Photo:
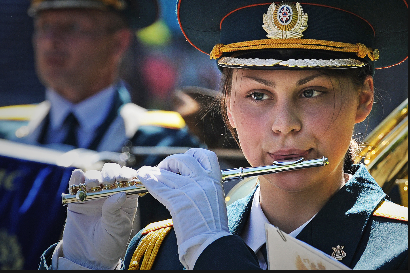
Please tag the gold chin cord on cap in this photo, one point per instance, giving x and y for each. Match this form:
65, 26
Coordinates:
78, 193
295, 43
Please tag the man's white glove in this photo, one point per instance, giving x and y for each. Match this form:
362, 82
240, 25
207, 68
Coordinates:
97, 232
189, 185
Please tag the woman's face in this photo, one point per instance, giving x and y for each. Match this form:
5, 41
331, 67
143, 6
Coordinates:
282, 115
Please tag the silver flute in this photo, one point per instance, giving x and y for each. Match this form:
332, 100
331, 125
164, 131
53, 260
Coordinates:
79, 194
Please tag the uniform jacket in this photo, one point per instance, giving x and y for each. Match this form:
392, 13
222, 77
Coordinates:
347, 219
370, 242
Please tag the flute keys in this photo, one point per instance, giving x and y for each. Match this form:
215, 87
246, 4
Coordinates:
121, 184
81, 195
73, 189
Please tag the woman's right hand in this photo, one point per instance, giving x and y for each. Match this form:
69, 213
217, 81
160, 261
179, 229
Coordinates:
189, 185
97, 232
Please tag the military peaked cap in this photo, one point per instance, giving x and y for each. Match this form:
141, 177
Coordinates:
137, 13
311, 34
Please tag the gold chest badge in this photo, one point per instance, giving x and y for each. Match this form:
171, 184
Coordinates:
285, 21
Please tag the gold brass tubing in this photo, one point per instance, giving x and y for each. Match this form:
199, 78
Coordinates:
136, 187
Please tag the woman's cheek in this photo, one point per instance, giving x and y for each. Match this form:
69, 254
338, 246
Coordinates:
251, 134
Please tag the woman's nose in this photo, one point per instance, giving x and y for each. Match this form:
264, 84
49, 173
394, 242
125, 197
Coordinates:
286, 119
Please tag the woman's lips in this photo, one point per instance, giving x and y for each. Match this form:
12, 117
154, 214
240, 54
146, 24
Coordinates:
289, 155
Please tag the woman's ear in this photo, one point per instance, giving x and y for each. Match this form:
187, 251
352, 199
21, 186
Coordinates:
366, 99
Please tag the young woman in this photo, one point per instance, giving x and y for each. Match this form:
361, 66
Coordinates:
297, 78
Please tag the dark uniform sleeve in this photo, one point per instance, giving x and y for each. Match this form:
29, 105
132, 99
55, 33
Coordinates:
227, 253
45, 259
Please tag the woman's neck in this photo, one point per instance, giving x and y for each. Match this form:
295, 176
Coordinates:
289, 210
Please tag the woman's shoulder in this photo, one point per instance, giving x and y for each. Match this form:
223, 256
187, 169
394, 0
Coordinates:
386, 238
154, 247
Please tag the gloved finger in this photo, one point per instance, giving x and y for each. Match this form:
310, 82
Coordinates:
127, 173
107, 235
208, 160
153, 177
119, 201
189, 166
177, 171
77, 177
92, 179
177, 163
117, 217
186, 167
113, 203
203, 156
109, 173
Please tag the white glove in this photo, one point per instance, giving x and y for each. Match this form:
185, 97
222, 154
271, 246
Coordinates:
97, 232
189, 185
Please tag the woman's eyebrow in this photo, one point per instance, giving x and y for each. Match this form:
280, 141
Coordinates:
262, 81
272, 83
308, 79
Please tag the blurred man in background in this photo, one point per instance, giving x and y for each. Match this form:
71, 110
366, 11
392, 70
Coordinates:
79, 46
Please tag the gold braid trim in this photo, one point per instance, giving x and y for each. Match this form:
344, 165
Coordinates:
360, 49
149, 245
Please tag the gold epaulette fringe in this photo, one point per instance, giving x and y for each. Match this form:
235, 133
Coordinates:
148, 247
167, 119
17, 112
391, 210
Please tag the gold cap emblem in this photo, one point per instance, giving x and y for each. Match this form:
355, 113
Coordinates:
285, 21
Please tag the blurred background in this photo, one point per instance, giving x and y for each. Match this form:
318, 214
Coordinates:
164, 63
164, 72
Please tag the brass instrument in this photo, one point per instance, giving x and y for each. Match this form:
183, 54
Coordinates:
385, 152
78, 193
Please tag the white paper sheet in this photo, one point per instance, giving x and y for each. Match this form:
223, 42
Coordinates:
287, 253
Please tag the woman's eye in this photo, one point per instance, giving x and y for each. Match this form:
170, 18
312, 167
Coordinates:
258, 96
310, 93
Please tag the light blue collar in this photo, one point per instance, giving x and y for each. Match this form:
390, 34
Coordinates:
96, 107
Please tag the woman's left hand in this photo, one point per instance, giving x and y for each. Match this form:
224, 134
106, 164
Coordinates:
189, 185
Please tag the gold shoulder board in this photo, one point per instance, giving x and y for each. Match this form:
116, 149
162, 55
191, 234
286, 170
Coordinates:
391, 210
167, 119
147, 248
17, 112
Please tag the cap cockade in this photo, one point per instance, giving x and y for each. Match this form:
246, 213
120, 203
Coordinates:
286, 20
